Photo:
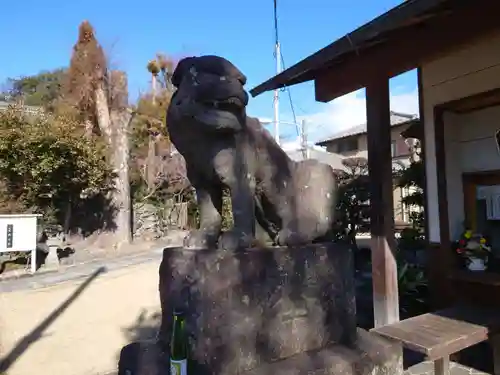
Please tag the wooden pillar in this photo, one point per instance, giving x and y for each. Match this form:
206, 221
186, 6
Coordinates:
384, 269
441, 260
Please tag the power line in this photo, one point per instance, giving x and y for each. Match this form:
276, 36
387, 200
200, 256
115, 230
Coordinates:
287, 89
280, 63
298, 127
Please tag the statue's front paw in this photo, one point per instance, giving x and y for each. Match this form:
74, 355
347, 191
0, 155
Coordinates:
198, 239
287, 237
234, 240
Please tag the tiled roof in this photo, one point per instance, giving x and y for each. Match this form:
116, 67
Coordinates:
397, 118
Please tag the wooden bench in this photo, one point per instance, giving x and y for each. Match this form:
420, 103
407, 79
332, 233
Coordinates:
439, 334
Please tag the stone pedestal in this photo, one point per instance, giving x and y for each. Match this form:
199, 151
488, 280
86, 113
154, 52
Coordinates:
372, 355
247, 309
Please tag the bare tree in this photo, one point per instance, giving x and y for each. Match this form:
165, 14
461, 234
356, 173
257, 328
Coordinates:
154, 69
102, 99
120, 118
169, 175
167, 66
161, 89
152, 167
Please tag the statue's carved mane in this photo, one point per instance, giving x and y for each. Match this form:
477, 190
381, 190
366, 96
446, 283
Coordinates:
293, 202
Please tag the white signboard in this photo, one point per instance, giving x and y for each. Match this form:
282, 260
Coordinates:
19, 233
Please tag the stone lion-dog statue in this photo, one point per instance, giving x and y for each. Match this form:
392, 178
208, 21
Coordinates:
294, 202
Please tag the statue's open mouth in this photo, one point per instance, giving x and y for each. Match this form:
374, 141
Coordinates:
232, 104
222, 114
212, 96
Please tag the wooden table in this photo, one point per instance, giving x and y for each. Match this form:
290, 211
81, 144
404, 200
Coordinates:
439, 334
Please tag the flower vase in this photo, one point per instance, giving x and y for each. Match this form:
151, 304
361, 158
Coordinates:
476, 264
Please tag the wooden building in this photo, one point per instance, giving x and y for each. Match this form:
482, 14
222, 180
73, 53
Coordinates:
455, 45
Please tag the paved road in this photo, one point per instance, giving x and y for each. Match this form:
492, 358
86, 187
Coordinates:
50, 278
76, 322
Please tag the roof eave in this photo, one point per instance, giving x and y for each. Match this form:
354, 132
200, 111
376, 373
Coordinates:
304, 70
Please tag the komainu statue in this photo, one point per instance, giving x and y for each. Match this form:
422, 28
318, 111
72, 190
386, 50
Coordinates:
294, 202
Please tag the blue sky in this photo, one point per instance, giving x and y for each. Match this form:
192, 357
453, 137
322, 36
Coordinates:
39, 35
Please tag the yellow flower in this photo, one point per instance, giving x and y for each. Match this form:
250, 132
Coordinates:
482, 241
468, 234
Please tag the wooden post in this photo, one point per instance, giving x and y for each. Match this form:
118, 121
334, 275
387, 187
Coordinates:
442, 366
495, 347
384, 269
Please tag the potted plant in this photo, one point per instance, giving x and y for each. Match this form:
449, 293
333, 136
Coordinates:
474, 249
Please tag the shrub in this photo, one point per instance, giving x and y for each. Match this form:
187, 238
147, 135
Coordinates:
46, 162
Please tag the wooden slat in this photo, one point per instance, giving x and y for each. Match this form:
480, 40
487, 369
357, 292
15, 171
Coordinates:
442, 333
442, 260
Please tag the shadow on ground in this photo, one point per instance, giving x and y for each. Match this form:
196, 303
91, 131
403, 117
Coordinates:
145, 327
37, 333
141, 355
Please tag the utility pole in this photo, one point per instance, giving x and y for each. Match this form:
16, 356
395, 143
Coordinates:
303, 140
277, 55
276, 103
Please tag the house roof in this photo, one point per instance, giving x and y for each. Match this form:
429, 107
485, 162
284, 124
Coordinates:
363, 37
397, 118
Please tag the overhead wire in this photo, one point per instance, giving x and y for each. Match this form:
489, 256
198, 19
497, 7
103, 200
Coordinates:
289, 92
286, 88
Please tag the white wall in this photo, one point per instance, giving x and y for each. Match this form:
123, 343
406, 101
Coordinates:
470, 70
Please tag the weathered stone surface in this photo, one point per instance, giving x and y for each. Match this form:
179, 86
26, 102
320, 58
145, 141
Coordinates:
142, 358
294, 202
372, 355
260, 305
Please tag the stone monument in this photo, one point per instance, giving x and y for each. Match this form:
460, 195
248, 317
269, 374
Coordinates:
285, 309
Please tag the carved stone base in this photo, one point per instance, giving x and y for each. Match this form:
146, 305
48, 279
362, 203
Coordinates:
372, 355
258, 306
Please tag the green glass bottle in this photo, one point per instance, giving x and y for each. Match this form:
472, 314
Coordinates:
179, 346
